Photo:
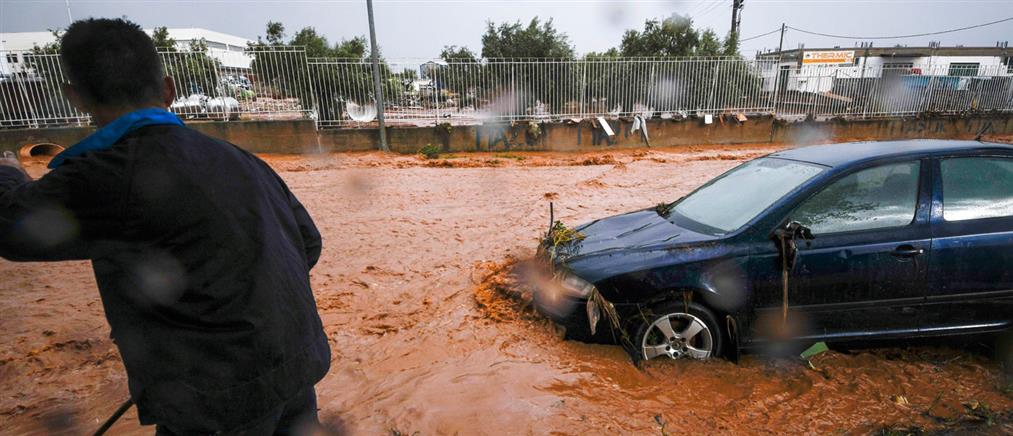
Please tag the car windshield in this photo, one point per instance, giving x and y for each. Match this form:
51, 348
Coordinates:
728, 202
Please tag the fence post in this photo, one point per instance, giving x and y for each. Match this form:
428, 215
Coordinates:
377, 94
714, 84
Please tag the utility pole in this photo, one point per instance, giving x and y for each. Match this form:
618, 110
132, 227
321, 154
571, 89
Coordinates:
736, 17
777, 75
70, 18
377, 90
780, 45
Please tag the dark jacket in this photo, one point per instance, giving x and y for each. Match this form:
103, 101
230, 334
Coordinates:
202, 258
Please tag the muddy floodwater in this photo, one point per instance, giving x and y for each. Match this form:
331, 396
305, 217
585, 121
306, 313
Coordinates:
411, 290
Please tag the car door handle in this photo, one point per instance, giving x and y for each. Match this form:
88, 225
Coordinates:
907, 251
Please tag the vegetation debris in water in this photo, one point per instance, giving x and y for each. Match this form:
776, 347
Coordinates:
663, 209
560, 235
430, 151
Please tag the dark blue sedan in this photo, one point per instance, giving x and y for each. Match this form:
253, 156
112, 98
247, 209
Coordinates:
894, 239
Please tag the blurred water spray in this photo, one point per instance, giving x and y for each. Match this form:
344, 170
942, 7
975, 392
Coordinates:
49, 227
160, 278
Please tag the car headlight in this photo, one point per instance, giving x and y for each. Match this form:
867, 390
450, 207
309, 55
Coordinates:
576, 286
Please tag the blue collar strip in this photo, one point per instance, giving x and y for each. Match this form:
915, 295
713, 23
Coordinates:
107, 136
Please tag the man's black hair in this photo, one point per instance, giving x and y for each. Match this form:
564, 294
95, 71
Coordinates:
112, 62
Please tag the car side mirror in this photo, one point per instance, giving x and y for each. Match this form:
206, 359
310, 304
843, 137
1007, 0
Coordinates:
786, 238
793, 230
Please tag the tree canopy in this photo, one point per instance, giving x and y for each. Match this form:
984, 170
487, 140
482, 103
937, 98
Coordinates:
317, 45
455, 53
674, 37
536, 40
160, 36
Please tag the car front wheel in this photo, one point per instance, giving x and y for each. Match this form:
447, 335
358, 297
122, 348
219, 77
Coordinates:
669, 330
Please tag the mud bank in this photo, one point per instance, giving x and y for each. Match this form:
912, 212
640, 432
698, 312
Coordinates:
411, 289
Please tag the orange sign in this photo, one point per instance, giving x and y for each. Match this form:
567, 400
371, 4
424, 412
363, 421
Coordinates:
836, 57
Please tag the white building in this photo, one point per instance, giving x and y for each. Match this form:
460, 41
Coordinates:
229, 49
815, 70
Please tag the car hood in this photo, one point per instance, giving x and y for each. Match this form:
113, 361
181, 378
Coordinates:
643, 229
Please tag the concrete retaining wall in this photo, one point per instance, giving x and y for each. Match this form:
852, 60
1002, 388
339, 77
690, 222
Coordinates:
282, 136
300, 136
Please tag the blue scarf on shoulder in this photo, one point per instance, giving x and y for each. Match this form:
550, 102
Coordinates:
107, 136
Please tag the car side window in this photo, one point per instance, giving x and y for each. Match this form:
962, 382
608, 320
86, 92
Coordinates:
977, 187
873, 198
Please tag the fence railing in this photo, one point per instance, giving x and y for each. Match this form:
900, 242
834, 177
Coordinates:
850, 92
283, 83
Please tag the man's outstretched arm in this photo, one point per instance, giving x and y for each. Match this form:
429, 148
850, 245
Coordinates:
55, 217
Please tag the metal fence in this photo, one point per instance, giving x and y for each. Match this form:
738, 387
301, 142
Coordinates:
852, 92
269, 83
283, 83
471, 92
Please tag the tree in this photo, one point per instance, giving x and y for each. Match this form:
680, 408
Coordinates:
536, 40
731, 44
160, 36
341, 75
455, 53
607, 54
316, 45
671, 37
193, 70
354, 48
275, 33
546, 79
50, 47
714, 83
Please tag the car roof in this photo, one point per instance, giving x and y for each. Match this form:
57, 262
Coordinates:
847, 153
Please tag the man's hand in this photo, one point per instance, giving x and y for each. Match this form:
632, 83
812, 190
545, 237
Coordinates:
9, 159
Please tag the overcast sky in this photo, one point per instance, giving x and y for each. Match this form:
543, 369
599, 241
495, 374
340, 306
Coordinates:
419, 29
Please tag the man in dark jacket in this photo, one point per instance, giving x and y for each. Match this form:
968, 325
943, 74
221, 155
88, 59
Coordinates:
201, 253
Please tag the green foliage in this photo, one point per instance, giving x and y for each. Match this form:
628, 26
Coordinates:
193, 69
275, 33
430, 151
285, 72
458, 54
316, 45
354, 48
536, 40
50, 47
675, 37
559, 234
663, 209
445, 129
611, 53
534, 129
162, 40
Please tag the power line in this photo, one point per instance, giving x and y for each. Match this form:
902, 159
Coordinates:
712, 8
760, 35
903, 36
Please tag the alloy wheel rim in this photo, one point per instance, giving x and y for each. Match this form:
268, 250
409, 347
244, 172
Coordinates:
677, 335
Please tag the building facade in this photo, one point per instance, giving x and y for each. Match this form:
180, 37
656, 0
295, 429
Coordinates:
816, 70
228, 49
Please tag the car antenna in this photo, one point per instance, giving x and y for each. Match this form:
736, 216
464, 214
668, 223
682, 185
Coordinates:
982, 131
552, 219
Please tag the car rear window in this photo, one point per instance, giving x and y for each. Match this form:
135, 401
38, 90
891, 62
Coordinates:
977, 187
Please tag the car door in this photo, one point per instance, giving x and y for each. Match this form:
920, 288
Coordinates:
971, 266
865, 272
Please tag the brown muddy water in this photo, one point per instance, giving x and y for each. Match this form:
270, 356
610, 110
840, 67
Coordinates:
414, 291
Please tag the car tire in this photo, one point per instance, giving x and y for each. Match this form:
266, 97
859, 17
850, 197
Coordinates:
649, 331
